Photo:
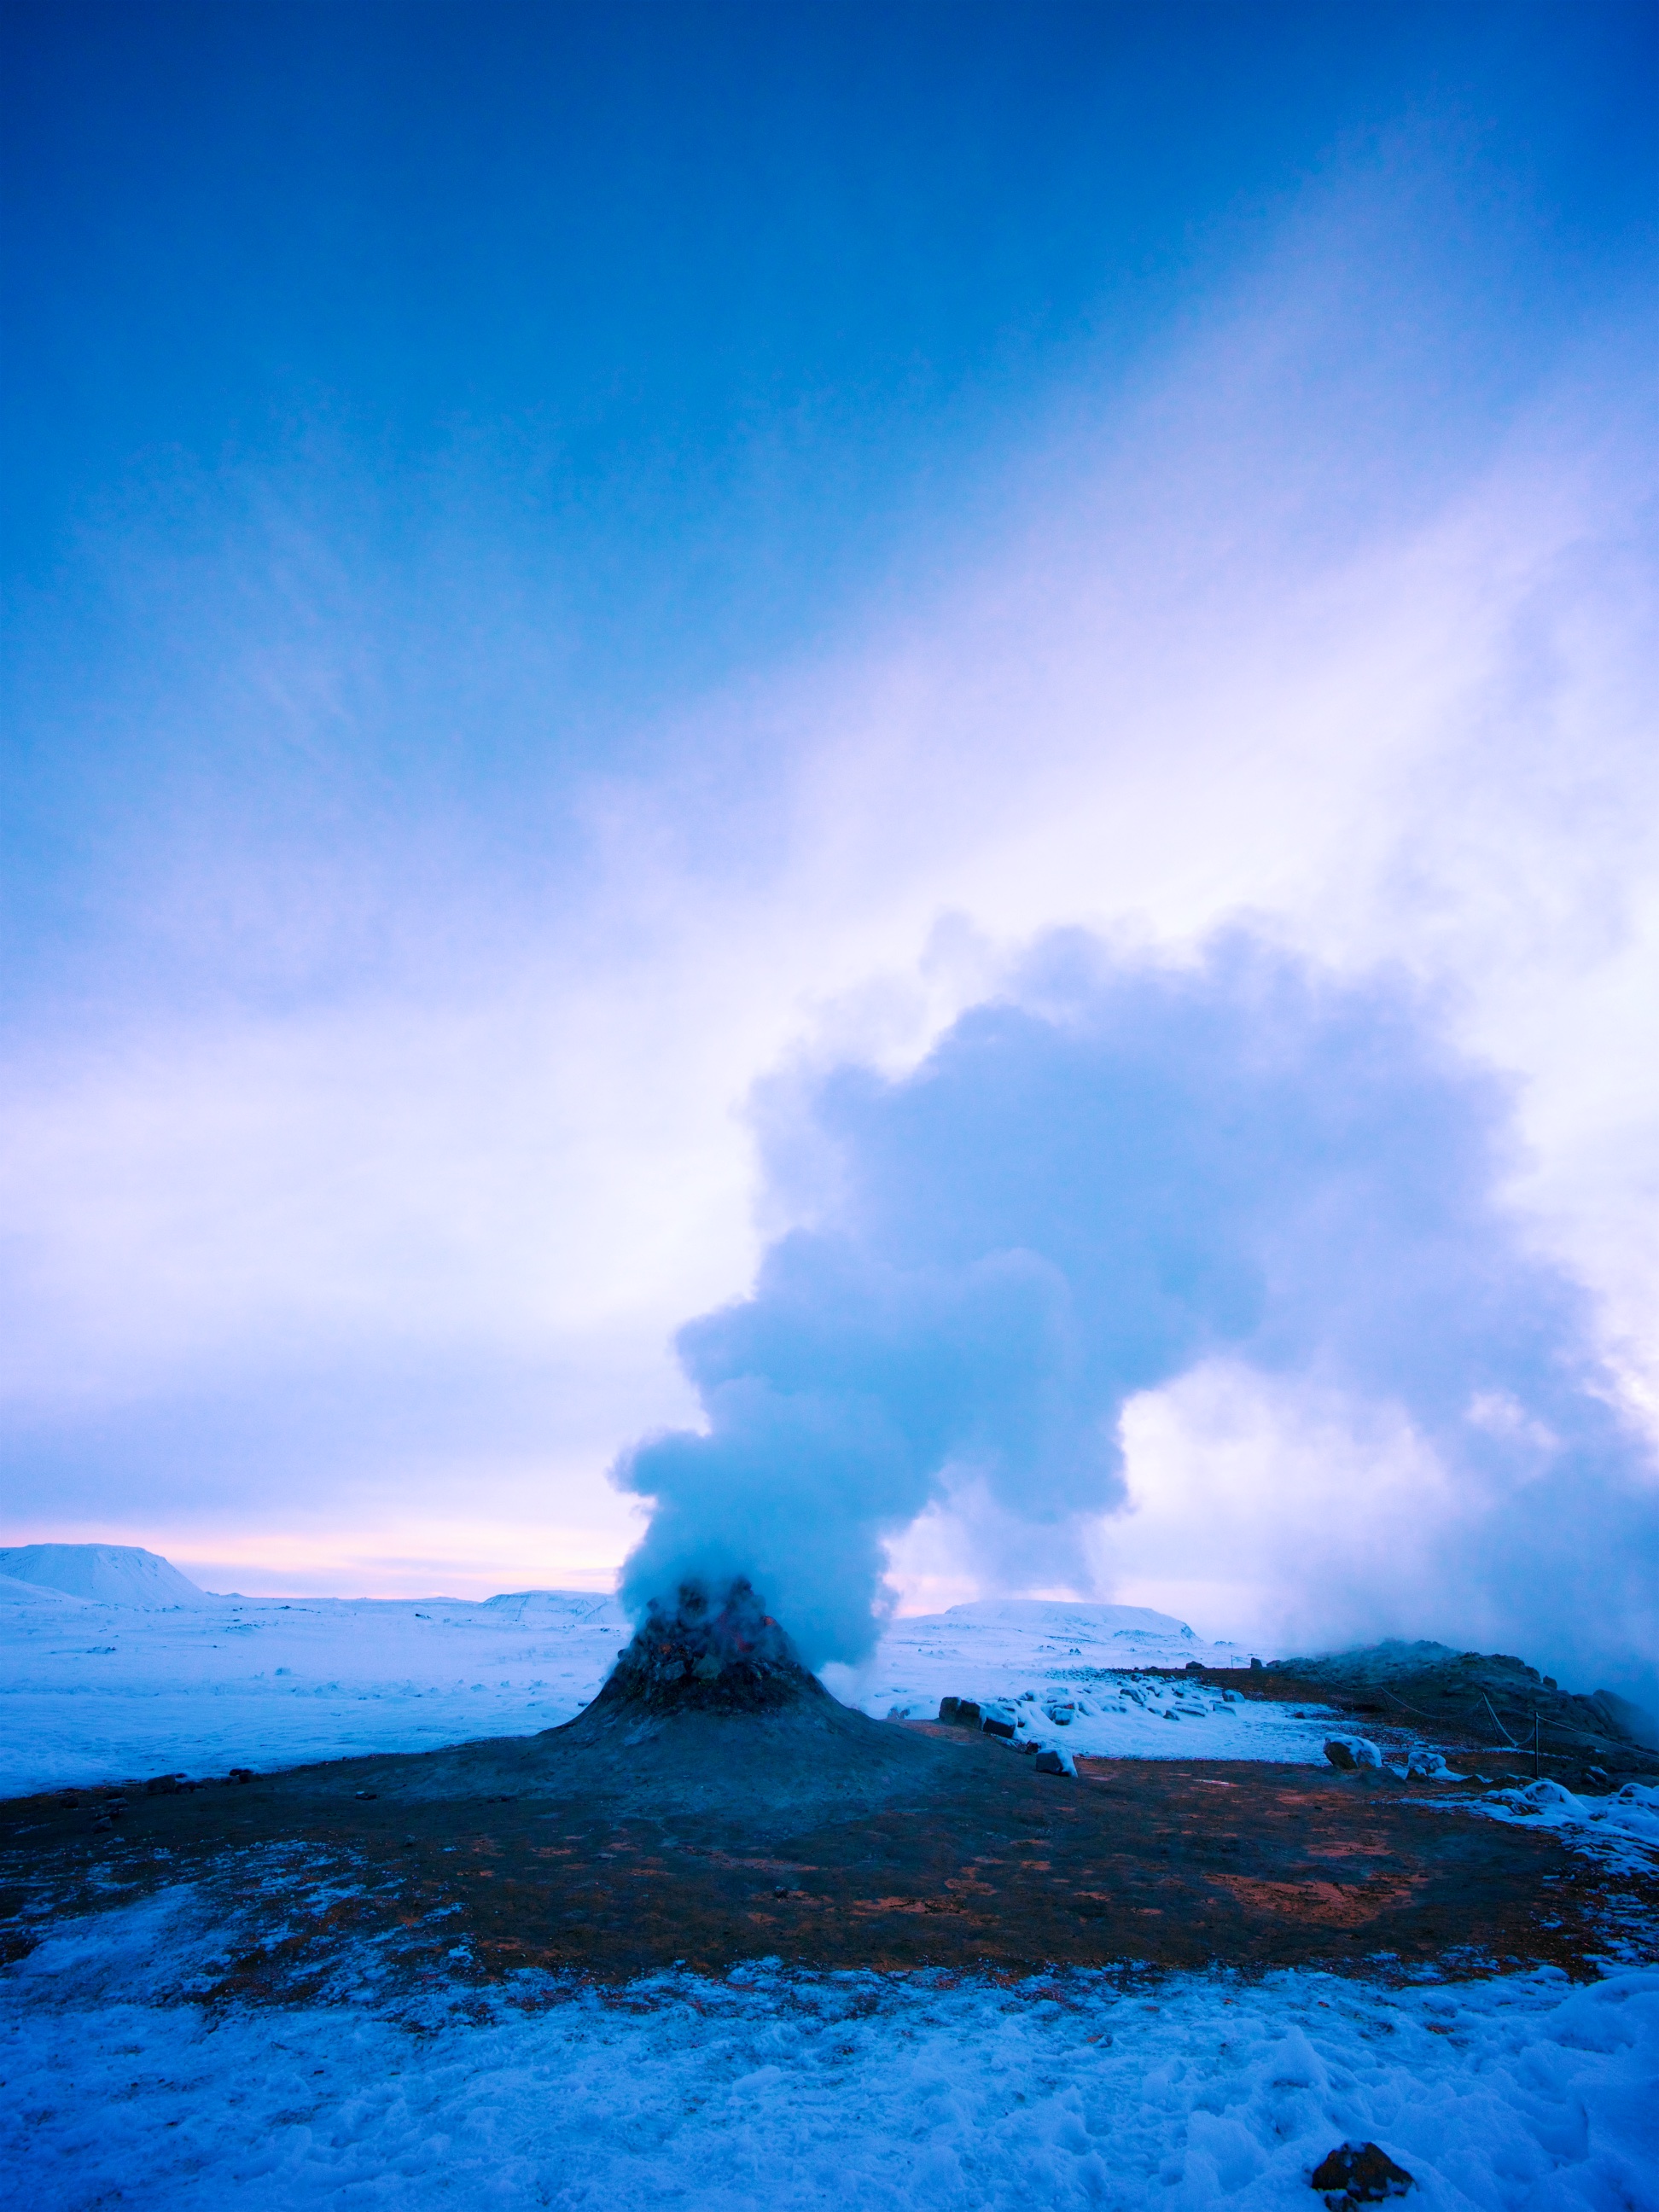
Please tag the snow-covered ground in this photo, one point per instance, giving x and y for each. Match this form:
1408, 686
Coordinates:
1620, 1831
94, 1692
784, 2090
1078, 1674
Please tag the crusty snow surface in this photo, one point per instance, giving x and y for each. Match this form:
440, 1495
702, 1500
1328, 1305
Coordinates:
770, 2089
767, 2088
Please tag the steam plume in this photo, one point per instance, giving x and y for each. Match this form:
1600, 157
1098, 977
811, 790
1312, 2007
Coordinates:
1114, 1173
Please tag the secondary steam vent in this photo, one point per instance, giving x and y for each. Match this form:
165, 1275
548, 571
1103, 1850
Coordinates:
712, 1653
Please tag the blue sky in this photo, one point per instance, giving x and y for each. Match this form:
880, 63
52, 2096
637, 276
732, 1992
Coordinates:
572, 571
689, 322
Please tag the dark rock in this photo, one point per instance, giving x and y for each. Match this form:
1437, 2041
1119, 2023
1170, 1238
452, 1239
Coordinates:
1004, 1729
1051, 1762
967, 1713
1349, 1752
711, 1652
947, 1709
1359, 2173
162, 1785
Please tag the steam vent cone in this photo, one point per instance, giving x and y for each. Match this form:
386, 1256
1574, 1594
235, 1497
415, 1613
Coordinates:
705, 1655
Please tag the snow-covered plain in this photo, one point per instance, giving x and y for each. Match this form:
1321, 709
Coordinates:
120, 2086
94, 1692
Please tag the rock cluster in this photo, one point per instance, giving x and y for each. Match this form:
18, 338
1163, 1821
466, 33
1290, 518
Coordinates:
999, 1720
710, 1652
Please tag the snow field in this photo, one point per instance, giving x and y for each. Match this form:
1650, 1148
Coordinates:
1130, 1716
772, 2090
1079, 1677
93, 1692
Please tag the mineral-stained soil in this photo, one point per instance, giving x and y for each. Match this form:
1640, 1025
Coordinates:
620, 1845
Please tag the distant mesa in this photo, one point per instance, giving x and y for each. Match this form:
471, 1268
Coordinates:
1062, 1614
106, 1574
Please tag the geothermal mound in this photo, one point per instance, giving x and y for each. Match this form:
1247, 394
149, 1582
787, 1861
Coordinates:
710, 1712
702, 1657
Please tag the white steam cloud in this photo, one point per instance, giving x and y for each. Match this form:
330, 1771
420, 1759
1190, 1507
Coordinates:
1113, 1178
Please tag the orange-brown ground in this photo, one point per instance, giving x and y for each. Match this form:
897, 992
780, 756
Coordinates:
847, 1844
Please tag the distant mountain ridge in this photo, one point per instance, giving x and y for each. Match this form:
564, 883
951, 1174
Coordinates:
128, 1574
107, 1574
1070, 1614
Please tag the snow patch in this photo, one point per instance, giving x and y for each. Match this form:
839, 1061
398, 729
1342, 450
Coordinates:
1621, 1829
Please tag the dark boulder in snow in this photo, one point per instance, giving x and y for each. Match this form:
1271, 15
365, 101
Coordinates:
1359, 2173
1349, 1752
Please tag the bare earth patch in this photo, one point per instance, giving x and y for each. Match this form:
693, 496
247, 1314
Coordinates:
815, 1835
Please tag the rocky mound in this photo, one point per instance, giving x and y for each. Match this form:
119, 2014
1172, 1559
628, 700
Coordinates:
709, 1708
709, 1655
1488, 1699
